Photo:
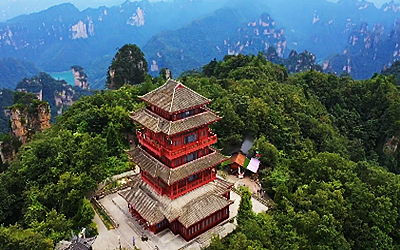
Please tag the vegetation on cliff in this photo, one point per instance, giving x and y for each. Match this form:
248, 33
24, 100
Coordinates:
44, 188
6, 100
57, 93
394, 70
127, 67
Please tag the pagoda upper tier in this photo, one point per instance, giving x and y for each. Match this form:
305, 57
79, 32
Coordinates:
173, 97
159, 124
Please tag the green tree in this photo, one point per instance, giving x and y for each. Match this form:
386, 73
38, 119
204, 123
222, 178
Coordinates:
128, 67
17, 238
216, 243
245, 212
269, 153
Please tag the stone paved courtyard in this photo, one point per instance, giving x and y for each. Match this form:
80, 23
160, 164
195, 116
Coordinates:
165, 240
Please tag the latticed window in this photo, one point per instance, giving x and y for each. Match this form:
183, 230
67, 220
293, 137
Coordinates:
177, 142
190, 138
193, 177
191, 157
178, 162
186, 114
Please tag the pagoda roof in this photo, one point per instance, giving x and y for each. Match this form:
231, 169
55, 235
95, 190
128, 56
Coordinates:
239, 159
188, 209
173, 97
158, 124
171, 175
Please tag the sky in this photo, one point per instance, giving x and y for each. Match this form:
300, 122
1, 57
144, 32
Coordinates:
12, 8
378, 3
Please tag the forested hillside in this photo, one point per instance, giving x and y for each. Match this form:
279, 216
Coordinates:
328, 145
6, 100
13, 70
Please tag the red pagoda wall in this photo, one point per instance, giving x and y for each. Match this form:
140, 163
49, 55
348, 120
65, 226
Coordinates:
181, 187
187, 233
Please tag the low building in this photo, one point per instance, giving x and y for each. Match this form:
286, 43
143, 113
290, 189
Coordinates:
77, 243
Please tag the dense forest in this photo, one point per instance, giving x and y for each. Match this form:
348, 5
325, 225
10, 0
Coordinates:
328, 145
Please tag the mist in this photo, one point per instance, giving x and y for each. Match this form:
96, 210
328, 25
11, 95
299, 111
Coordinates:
12, 8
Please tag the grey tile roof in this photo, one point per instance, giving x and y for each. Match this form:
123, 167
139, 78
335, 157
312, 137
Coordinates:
76, 244
158, 124
171, 175
188, 209
202, 208
174, 96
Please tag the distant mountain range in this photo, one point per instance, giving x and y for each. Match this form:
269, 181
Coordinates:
352, 35
62, 36
14, 70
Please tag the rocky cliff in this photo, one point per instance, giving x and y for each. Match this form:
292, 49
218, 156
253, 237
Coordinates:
81, 79
57, 93
28, 120
295, 62
225, 32
369, 50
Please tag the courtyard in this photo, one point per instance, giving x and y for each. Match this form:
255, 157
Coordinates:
129, 228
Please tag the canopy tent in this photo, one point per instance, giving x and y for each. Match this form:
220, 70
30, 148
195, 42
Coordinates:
253, 165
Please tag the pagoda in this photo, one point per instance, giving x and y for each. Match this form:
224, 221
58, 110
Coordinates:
178, 187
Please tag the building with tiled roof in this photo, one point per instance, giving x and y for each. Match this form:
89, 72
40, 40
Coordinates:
76, 243
178, 187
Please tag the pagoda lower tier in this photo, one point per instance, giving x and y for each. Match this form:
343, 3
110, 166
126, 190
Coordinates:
174, 182
188, 215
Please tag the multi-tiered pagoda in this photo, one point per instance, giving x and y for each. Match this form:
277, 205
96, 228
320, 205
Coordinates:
178, 188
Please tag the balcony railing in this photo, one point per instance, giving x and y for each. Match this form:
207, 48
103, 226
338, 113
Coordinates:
192, 185
175, 152
180, 151
152, 145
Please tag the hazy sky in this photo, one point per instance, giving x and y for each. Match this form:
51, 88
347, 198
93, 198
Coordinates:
378, 3
82, 4
11, 8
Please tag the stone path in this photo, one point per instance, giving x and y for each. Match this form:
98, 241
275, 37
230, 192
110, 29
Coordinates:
107, 239
125, 230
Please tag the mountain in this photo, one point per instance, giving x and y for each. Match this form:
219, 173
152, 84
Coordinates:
57, 93
394, 70
62, 35
295, 62
321, 27
185, 34
226, 31
13, 70
368, 50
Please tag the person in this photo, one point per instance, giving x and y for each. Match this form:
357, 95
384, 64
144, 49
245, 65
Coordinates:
133, 240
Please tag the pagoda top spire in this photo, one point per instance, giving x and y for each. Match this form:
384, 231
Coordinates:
174, 97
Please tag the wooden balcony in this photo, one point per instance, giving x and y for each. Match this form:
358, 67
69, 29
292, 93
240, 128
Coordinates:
191, 186
150, 144
176, 152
